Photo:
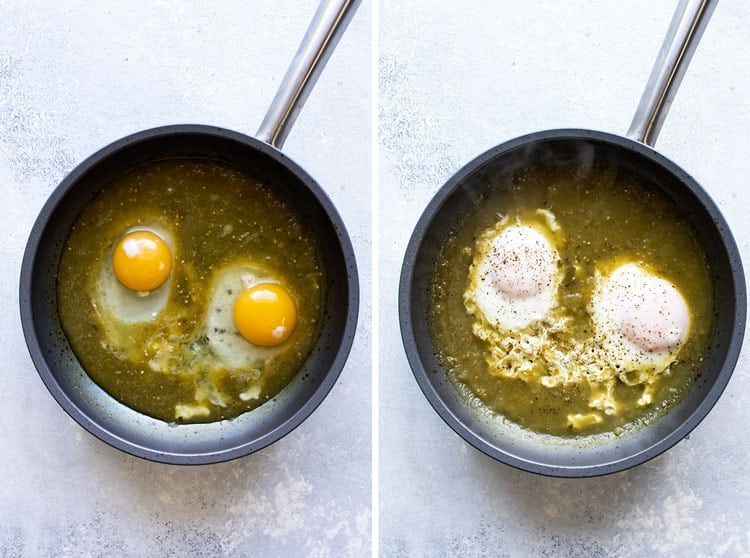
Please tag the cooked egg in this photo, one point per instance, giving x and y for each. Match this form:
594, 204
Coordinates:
641, 320
250, 315
135, 278
515, 274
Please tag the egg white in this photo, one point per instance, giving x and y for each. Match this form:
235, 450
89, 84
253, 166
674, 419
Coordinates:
515, 274
638, 354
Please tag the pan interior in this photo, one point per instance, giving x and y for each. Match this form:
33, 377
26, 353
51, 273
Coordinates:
501, 438
120, 425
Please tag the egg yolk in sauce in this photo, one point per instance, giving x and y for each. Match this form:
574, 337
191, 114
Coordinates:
142, 261
265, 314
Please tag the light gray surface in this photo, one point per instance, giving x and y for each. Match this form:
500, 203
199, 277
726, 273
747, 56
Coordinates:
75, 76
456, 79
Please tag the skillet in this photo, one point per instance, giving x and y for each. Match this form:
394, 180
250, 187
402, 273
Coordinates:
58, 367
635, 155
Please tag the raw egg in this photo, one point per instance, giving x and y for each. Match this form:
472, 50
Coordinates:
127, 289
250, 315
142, 260
265, 314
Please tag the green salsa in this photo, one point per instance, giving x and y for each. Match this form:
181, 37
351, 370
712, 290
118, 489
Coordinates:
610, 214
217, 217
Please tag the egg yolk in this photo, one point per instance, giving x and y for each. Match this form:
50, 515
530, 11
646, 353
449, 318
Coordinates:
265, 314
142, 261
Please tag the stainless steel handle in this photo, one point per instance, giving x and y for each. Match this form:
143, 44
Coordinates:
685, 31
324, 32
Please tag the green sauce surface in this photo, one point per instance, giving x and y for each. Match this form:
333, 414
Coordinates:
217, 216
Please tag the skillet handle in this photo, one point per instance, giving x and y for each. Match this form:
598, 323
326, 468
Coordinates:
325, 30
685, 31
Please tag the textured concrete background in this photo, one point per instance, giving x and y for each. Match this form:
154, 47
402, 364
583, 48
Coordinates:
457, 78
454, 81
75, 76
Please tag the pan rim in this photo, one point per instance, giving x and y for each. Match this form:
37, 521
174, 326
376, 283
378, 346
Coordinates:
42, 365
420, 369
